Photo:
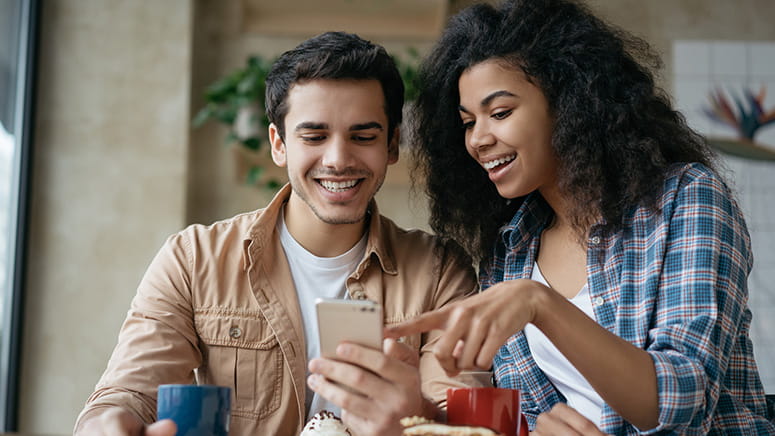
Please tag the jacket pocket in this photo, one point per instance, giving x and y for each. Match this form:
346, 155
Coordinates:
241, 352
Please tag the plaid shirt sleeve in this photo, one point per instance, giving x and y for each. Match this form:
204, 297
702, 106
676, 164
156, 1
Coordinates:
701, 302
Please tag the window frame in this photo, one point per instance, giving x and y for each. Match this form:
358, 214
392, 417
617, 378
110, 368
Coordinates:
11, 320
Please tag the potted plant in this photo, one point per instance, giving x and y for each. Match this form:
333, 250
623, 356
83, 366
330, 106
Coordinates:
237, 100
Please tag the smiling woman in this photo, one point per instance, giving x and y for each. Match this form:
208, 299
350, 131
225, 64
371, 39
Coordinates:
17, 37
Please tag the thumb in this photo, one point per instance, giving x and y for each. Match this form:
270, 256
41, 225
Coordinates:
401, 352
165, 427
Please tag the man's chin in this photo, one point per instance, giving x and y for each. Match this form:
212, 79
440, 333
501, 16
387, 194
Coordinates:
334, 219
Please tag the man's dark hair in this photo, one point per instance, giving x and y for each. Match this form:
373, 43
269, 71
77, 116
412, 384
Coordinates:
333, 55
615, 133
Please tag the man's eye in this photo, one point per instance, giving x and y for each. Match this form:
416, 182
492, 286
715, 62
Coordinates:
364, 138
501, 115
313, 138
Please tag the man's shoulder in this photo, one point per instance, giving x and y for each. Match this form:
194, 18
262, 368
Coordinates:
414, 243
407, 237
239, 226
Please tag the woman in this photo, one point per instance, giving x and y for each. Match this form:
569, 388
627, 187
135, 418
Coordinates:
614, 257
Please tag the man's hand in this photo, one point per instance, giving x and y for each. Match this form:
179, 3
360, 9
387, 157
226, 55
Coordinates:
564, 420
119, 422
374, 389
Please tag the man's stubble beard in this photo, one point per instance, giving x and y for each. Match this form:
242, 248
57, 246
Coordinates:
302, 195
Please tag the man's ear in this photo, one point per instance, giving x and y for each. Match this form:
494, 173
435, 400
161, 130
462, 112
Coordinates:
393, 146
278, 146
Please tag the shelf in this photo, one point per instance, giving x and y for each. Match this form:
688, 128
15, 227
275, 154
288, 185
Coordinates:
743, 149
410, 19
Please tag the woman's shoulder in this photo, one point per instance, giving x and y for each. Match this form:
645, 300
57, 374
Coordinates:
683, 178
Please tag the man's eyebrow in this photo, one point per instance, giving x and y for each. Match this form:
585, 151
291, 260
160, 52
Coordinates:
366, 126
487, 100
311, 125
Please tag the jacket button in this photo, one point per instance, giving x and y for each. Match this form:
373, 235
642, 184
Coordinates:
235, 332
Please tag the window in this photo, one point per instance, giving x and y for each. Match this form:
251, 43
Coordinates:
18, 20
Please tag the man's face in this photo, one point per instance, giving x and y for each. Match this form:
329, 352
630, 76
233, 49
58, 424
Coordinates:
336, 147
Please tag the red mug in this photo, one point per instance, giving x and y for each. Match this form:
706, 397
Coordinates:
494, 408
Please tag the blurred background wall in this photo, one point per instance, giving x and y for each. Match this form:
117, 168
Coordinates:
118, 167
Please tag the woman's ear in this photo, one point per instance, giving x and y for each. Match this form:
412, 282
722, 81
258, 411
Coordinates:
393, 146
278, 146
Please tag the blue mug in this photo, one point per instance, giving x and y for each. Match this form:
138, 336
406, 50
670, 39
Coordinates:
197, 410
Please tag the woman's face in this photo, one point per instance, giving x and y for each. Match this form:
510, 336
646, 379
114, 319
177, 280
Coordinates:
508, 128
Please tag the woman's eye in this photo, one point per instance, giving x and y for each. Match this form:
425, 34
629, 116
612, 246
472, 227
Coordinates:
468, 125
501, 115
364, 138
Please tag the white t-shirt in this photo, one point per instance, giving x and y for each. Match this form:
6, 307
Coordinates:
316, 277
565, 377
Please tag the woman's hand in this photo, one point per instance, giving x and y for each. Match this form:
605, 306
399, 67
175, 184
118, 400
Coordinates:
475, 328
564, 420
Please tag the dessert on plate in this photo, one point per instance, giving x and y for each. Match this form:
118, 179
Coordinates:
325, 423
418, 426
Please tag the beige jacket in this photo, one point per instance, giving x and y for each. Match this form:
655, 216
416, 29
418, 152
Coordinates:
217, 306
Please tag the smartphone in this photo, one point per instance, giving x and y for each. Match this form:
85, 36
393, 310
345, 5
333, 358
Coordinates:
356, 321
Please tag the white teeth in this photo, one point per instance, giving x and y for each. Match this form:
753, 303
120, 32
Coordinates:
494, 163
338, 186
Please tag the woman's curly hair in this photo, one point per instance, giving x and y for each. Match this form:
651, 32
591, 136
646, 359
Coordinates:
615, 133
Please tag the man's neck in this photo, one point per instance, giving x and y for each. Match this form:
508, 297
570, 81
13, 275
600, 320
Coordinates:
317, 237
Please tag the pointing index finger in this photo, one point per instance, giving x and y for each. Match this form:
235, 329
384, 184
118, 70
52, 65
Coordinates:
436, 320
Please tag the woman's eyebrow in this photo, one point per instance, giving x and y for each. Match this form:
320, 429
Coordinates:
502, 93
488, 99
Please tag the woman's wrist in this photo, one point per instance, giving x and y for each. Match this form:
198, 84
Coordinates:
541, 301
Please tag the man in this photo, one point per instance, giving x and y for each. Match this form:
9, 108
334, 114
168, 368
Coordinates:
231, 304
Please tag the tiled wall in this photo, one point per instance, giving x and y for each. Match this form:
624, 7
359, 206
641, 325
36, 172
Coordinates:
702, 66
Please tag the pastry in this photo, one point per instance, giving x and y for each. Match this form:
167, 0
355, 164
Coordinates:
418, 426
325, 423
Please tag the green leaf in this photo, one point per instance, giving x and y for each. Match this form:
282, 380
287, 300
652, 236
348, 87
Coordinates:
272, 184
203, 115
254, 175
252, 143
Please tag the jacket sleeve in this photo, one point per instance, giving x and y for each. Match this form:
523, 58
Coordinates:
456, 280
701, 304
157, 342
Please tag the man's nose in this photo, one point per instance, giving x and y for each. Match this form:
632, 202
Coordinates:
338, 153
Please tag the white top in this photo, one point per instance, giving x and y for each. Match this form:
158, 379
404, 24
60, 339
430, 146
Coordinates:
565, 377
316, 277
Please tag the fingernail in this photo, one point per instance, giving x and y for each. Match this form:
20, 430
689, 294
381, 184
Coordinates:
343, 350
313, 380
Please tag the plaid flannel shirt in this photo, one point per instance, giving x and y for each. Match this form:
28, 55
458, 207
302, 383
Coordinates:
672, 282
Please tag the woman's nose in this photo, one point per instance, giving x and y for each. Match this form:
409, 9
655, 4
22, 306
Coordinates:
480, 136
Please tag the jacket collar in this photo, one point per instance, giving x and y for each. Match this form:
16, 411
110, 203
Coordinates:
263, 228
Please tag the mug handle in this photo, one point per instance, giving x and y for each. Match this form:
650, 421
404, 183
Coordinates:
523, 431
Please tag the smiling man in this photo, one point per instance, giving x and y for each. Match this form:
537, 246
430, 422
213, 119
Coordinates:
232, 303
